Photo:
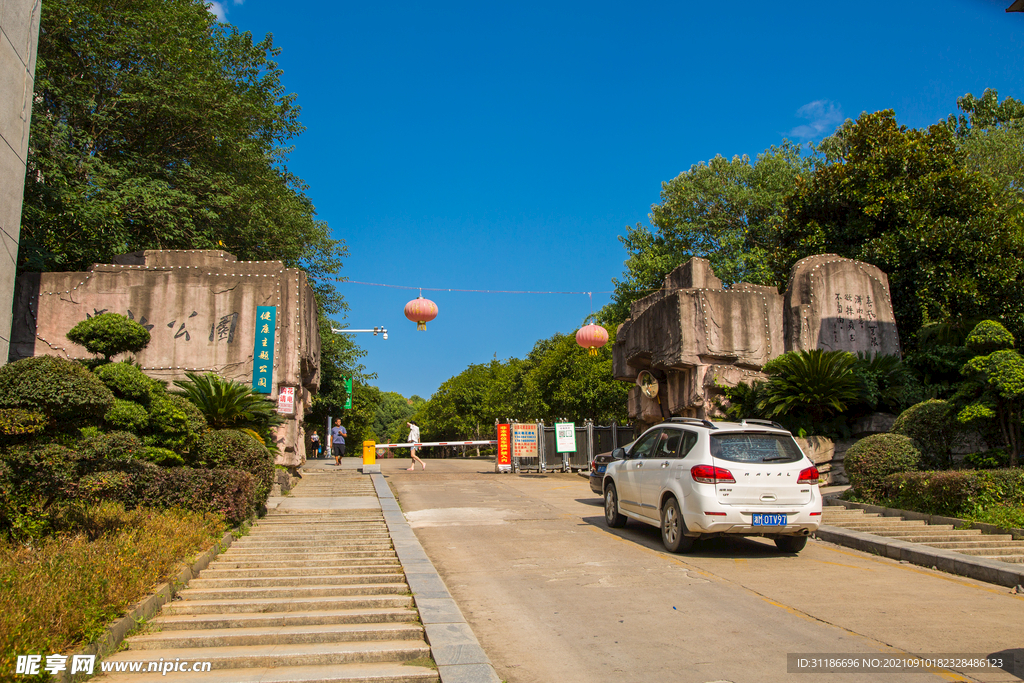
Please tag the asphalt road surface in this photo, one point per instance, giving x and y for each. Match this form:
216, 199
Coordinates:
553, 595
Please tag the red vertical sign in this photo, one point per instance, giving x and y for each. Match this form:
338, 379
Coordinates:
505, 445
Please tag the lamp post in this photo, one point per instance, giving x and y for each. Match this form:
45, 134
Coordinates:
375, 330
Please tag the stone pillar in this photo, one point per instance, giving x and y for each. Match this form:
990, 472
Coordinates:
19, 35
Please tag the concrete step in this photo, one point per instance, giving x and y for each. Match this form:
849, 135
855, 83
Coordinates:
926, 532
328, 591
300, 556
307, 561
300, 573
888, 526
922, 539
385, 672
269, 581
354, 543
250, 656
319, 534
1000, 541
191, 622
288, 604
288, 635
1004, 551
1016, 559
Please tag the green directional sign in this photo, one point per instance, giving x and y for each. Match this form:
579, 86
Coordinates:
348, 388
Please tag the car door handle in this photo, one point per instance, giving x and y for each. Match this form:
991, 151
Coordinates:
639, 465
665, 464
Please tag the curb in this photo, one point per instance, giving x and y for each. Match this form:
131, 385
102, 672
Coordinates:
116, 632
455, 649
990, 571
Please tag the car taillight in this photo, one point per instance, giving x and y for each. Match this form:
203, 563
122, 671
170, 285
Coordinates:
808, 476
707, 474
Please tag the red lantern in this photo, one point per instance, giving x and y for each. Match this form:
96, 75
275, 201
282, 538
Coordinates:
591, 338
421, 311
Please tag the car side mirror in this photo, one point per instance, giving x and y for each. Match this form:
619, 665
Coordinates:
619, 454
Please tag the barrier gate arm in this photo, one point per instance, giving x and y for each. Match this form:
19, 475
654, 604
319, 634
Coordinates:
436, 443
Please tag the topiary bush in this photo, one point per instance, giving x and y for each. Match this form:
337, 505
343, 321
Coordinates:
875, 457
33, 482
127, 416
109, 334
163, 457
63, 390
108, 451
232, 449
987, 337
20, 422
175, 423
127, 381
934, 428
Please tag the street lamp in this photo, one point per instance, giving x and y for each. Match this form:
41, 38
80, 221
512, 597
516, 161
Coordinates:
375, 330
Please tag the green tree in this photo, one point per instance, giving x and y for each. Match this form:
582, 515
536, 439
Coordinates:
714, 211
817, 383
155, 127
908, 202
994, 388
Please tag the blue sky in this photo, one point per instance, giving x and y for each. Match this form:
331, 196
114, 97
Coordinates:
506, 146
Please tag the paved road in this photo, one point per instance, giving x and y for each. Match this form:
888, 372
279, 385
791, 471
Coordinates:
554, 595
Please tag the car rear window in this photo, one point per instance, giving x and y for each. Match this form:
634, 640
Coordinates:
745, 447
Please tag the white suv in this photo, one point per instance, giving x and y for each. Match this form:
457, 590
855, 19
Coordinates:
698, 479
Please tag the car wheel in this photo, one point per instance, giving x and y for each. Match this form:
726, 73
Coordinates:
673, 528
612, 516
791, 544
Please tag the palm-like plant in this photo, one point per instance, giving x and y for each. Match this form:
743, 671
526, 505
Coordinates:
819, 383
230, 405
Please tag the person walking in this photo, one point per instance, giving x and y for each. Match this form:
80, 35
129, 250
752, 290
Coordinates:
338, 435
414, 437
315, 445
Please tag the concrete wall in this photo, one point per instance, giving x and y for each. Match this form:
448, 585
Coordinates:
19, 33
199, 307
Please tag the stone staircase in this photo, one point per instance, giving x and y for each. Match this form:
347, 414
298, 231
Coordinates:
999, 547
308, 595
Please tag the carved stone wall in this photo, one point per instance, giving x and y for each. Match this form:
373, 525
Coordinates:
200, 308
694, 336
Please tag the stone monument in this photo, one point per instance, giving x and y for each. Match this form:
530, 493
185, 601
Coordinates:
254, 322
686, 341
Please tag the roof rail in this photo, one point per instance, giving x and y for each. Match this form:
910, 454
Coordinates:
770, 423
694, 420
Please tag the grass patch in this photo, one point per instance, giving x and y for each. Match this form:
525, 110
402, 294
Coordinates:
59, 594
1003, 516
422, 661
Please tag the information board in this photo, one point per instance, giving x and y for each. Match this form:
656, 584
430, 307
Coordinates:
263, 350
524, 440
286, 401
565, 437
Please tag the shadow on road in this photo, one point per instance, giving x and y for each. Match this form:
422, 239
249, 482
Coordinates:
721, 547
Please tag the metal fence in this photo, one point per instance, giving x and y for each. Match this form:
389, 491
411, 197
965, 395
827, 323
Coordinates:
591, 440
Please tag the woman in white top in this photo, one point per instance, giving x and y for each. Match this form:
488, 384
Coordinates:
414, 437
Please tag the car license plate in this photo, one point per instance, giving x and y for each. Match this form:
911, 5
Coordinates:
600, 469
768, 519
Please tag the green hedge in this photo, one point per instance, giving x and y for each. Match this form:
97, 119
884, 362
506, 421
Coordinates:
232, 449
875, 457
65, 391
229, 492
953, 493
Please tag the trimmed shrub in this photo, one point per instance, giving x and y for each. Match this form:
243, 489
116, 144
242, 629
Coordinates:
231, 449
163, 457
875, 457
33, 478
126, 381
176, 423
933, 427
994, 459
128, 416
987, 337
18, 421
65, 391
102, 451
109, 334
229, 492
956, 493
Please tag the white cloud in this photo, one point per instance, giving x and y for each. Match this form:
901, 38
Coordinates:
823, 117
218, 9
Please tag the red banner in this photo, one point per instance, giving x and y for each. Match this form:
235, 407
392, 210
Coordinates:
505, 444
